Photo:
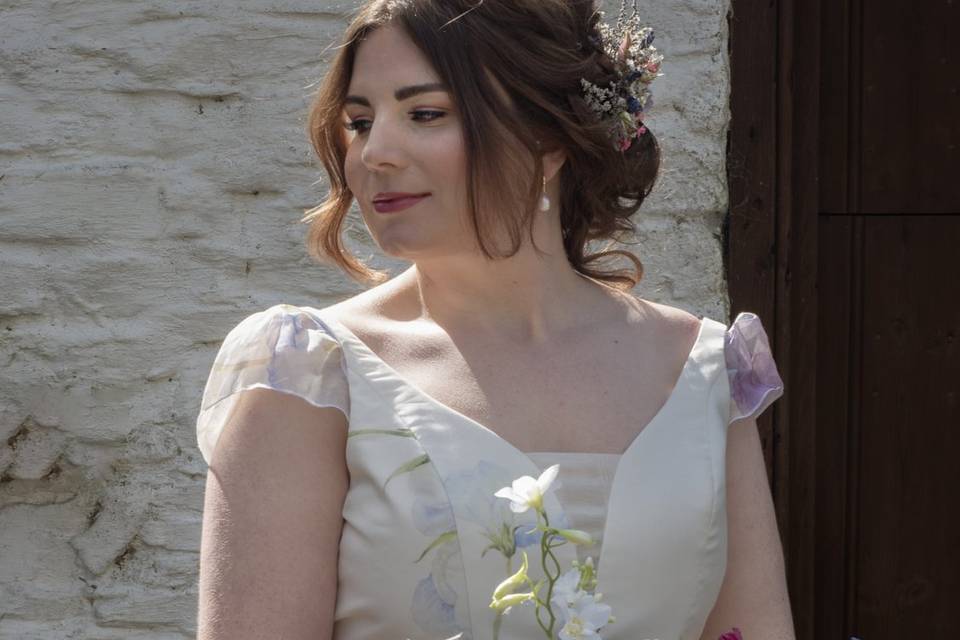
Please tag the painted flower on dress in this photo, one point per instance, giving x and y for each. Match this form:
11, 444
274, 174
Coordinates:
435, 599
573, 611
526, 493
506, 529
584, 618
436, 607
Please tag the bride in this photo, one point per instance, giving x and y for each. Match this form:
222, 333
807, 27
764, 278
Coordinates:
354, 450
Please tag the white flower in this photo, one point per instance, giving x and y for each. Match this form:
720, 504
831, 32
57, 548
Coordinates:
576, 536
510, 585
580, 613
527, 492
565, 591
584, 618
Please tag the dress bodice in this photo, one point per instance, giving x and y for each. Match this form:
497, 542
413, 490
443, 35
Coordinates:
424, 540
584, 491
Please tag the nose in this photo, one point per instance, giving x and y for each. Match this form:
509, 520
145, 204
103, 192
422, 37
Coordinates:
383, 146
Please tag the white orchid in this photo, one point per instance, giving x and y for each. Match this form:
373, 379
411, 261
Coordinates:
527, 492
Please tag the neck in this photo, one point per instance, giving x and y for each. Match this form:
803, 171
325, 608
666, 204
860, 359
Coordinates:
524, 301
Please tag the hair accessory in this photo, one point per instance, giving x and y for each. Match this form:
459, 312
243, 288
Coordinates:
636, 64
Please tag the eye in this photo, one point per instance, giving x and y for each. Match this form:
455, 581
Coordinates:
435, 114
355, 125
359, 124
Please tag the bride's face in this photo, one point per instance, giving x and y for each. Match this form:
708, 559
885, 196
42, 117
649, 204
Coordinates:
407, 138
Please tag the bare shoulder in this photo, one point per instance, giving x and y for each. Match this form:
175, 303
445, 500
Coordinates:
371, 314
672, 323
365, 310
674, 330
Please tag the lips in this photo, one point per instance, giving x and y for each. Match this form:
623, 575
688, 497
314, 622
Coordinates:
396, 195
387, 203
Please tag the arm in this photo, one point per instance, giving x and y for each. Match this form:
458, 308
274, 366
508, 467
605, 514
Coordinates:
272, 520
753, 596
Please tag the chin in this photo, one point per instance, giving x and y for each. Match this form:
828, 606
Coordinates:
403, 247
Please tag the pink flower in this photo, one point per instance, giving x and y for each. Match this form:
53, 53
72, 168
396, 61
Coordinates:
733, 634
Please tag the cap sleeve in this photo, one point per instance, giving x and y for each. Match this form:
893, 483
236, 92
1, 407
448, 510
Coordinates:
754, 380
282, 348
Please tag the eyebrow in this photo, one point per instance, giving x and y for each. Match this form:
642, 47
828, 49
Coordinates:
403, 93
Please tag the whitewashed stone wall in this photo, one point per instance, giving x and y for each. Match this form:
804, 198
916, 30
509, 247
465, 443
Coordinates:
153, 169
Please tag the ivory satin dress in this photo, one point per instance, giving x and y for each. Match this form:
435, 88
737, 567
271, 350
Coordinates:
420, 509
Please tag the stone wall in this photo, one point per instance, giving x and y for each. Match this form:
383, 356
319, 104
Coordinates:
153, 170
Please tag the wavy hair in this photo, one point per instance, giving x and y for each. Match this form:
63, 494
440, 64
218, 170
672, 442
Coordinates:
537, 51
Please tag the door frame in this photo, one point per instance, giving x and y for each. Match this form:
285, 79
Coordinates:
770, 251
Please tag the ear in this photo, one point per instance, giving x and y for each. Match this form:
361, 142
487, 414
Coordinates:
552, 162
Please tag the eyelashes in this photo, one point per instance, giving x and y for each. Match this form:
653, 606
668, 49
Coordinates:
359, 124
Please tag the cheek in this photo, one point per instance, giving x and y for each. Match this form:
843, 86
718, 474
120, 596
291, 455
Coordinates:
351, 167
449, 160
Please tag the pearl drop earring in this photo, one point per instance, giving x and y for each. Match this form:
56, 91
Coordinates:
544, 200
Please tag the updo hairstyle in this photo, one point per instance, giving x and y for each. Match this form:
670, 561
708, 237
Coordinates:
537, 50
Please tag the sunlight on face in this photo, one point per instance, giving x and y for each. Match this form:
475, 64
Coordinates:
406, 137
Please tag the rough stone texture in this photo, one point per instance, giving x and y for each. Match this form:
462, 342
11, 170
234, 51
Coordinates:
153, 169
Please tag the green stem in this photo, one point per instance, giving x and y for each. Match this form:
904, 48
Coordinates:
551, 579
497, 621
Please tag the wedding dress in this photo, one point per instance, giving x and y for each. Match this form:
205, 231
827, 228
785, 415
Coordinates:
423, 543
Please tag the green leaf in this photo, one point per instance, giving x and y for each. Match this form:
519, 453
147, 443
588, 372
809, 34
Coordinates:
443, 537
405, 433
419, 461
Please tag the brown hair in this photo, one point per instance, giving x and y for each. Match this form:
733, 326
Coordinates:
537, 50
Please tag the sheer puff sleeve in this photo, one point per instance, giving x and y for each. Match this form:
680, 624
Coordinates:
282, 348
754, 380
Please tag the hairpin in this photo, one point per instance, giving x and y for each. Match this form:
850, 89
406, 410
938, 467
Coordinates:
636, 64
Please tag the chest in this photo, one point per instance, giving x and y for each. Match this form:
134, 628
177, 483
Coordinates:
594, 395
430, 496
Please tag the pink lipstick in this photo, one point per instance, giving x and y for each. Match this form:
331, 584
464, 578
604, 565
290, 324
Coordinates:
390, 204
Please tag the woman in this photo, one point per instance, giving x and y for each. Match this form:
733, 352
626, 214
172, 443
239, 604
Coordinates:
359, 446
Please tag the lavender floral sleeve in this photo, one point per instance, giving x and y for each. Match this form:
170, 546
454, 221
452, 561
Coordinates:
282, 348
754, 380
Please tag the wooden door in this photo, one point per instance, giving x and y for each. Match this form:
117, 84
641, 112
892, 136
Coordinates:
844, 234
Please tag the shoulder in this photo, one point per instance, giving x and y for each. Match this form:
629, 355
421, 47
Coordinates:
363, 311
371, 314
672, 325
673, 317
283, 348
755, 381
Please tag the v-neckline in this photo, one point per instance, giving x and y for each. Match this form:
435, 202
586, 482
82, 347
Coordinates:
678, 386
360, 344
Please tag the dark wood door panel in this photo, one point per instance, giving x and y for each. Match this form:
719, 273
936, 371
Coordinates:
834, 472
845, 226
910, 102
887, 541
908, 545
